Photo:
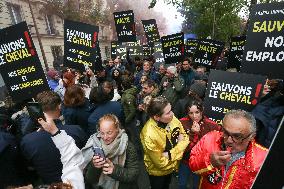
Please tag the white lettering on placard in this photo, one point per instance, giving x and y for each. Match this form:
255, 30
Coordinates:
268, 12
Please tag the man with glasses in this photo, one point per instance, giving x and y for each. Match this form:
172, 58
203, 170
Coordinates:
231, 158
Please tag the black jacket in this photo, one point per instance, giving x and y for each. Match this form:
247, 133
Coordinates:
268, 115
12, 172
78, 115
39, 149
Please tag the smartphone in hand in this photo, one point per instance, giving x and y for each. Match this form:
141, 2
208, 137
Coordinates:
98, 151
35, 111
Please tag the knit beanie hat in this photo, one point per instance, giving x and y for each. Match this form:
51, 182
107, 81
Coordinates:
198, 88
52, 73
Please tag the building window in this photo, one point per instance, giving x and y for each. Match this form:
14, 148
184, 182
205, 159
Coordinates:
57, 56
49, 24
15, 13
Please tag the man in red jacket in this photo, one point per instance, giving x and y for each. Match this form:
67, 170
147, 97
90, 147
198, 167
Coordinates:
229, 159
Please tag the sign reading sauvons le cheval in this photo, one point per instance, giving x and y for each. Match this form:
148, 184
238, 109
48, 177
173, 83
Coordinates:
80, 45
20, 66
231, 90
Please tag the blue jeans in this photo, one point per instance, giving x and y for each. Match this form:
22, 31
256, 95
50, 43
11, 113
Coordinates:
184, 173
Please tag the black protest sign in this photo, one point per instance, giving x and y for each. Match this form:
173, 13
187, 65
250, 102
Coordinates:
236, 52
121, 51
134, 49
151, 31
158, 53
147, 50
190, 47
173, 48
264, 46
113, 49
270, 173
80, 45
207, 52
20, 66
125, 26
231, 90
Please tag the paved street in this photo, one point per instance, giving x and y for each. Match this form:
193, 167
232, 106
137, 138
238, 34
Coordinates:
143, 181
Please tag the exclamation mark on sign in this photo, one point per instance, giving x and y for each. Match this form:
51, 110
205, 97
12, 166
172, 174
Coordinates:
95, 39
32, 51
182, 49
257, 91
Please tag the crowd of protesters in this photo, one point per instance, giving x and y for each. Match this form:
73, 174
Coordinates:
135, 111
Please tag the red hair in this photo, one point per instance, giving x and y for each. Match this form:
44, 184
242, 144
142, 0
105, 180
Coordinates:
70, 77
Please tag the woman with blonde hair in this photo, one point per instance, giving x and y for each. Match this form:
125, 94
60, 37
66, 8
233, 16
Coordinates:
116, 168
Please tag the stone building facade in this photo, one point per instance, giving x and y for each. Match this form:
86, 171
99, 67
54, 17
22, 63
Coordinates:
50, 29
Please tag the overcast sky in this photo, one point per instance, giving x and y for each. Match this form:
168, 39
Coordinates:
169, 12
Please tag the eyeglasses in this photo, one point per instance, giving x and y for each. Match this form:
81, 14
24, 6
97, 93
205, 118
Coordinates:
235, 138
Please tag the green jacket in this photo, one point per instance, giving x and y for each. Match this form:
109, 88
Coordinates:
128, 101
173, 90
127, 175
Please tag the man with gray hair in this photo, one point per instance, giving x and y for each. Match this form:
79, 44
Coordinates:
171, 85
231, 158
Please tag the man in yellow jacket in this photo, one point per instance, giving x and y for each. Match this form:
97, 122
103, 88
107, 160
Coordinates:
164, 141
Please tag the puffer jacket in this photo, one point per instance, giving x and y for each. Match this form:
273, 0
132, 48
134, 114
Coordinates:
156, 140
240, 175
128, 102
